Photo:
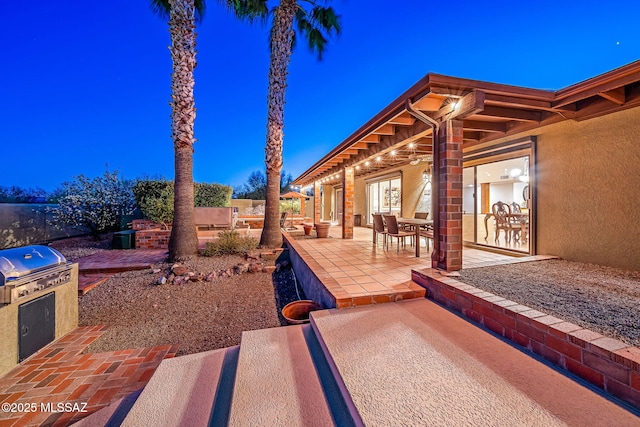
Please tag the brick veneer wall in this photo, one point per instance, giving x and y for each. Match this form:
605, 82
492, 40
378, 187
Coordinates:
348, 194
152, 239
143, 224
607, 363
448, 234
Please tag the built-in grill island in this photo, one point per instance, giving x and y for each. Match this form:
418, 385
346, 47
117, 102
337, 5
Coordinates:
38, 301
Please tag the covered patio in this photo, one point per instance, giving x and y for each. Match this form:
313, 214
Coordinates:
343, 273
457, 148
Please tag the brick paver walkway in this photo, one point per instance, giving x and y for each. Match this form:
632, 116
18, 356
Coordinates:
95, 269
61, 374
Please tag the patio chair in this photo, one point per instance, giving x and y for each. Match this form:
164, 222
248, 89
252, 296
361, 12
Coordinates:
428, 235
378, 228
393, 231
283, 218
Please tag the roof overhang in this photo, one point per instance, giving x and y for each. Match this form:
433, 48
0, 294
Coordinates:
402, 132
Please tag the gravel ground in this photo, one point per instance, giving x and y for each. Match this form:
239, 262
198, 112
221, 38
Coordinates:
602, 299
198, 316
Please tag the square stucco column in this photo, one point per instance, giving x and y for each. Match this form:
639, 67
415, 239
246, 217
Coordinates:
348, 185
447, 254
317, 202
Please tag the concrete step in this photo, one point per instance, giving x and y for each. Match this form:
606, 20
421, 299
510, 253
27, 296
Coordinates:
277, 382
415, 363
191, 390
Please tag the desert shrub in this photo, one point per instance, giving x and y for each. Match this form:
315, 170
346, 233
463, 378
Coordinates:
212, 195
230, 243
159, 209
155, 198
93, 203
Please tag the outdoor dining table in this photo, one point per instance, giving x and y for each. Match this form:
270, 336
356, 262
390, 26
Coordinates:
417, 224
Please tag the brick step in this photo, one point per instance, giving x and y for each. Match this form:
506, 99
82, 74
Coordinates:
86, 282
183, 390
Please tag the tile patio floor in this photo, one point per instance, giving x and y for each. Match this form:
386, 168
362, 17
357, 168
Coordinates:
357, 272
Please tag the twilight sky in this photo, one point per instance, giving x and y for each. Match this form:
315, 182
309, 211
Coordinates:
86, 84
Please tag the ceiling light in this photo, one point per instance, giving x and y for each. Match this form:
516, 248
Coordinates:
515, 172
367, 163
357, 167
393, 152
412, 145
378, 159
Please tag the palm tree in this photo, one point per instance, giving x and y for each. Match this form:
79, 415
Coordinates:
183, 14
313, 23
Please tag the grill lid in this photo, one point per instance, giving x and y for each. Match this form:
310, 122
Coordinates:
20, 262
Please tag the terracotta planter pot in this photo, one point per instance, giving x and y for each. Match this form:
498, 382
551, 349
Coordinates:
322, 229
297, 312
307, 229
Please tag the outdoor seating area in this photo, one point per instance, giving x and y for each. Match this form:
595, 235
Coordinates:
344, 273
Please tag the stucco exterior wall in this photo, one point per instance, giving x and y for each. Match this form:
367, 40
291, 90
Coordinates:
588, 187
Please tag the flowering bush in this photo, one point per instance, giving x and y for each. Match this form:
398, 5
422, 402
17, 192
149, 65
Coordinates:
95, 203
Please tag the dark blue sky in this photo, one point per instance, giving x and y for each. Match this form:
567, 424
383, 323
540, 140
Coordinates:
87, 83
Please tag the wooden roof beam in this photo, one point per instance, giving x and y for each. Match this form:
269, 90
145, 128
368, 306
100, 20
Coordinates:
386, 129
617, 96
362, 145
468, 105
371, 138
476, 125
512, 114
404, 119
512, 101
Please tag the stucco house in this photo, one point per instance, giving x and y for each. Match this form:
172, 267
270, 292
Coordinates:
566, 162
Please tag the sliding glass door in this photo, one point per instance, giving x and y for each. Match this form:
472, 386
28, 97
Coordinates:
497, 204
384, 195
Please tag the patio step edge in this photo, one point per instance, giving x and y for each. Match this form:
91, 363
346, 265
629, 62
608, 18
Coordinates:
278, 363
182, 391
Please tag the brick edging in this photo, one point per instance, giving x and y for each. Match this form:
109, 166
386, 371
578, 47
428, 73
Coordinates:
607, 363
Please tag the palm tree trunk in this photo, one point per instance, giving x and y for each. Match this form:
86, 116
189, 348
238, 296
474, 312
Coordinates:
281, 45
183, 242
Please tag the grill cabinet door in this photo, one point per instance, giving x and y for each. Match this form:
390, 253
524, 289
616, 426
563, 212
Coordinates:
36, 324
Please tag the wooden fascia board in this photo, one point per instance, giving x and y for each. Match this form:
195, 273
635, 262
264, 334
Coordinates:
621, 76
464, 86
594, 90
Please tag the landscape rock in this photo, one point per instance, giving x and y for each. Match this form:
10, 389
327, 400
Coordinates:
255, 268
161, 280
269, 268
178, 270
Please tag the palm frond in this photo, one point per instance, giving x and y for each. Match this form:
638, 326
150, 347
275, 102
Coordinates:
316, 25
250, 10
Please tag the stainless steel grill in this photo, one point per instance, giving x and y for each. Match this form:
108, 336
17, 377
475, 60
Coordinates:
29, 270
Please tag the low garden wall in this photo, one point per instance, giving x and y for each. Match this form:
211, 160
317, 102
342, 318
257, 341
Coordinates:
607, 363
